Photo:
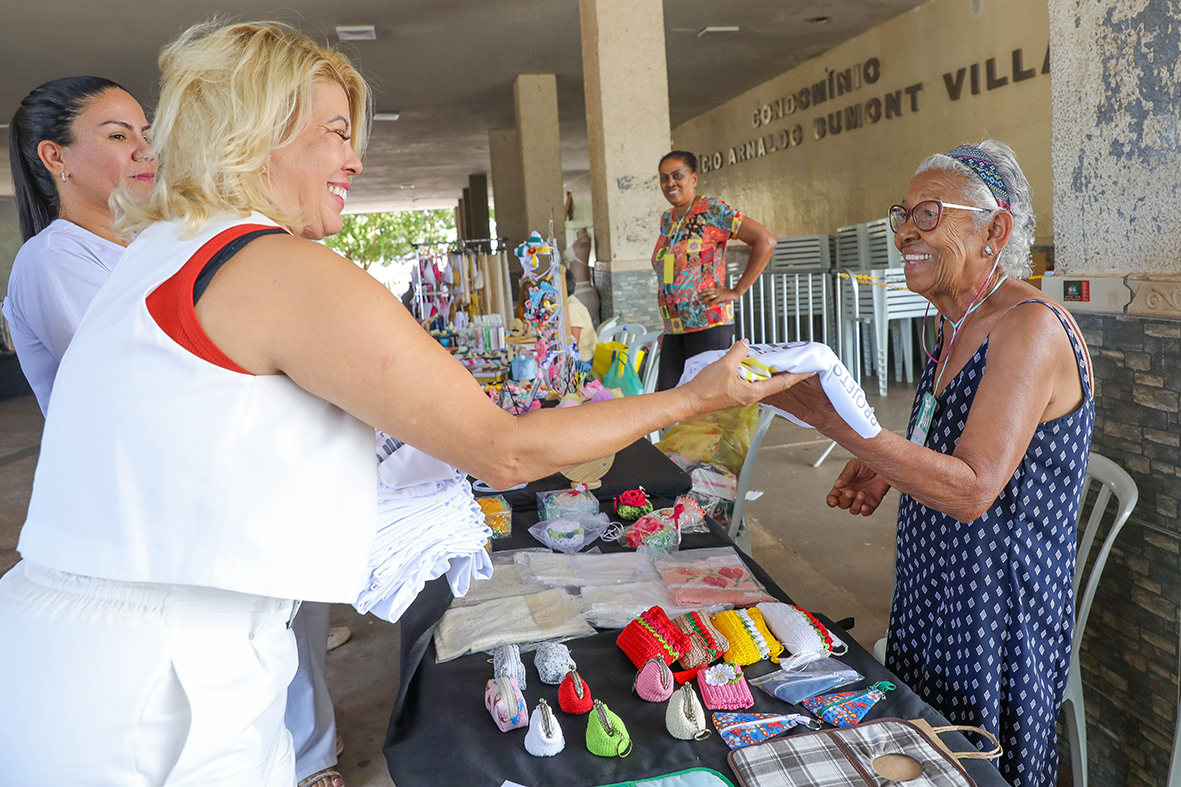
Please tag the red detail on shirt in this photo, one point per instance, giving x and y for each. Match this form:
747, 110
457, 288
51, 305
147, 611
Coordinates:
171, 304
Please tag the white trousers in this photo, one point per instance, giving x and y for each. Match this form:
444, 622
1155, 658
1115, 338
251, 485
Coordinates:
310, 716
115, 684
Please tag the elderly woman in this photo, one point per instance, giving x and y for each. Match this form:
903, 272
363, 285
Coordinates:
696, 303
207, 458
991, 469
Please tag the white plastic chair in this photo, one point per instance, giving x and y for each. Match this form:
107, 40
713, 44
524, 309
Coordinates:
606, 327
739, 531
624, 334
1112, 480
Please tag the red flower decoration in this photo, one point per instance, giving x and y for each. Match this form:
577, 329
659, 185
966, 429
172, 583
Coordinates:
716, 582
634, 497
731, 572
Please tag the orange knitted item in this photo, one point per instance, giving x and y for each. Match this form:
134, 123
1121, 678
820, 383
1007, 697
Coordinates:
652, 635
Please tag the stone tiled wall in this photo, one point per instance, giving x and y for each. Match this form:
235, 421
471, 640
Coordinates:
630, 294
1130, 648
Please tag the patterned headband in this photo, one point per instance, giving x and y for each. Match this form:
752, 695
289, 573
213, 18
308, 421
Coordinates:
979, 162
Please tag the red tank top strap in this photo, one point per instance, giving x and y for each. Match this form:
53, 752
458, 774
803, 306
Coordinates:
171, 304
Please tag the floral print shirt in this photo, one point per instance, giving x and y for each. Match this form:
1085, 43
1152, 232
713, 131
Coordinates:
698, 245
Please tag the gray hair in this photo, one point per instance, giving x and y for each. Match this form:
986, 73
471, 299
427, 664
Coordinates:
1014, 258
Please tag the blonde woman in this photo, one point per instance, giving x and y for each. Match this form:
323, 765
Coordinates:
209, 456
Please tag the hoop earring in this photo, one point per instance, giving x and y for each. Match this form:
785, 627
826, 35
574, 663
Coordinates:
988, 250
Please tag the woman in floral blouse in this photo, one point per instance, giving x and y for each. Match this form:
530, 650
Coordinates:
690, 264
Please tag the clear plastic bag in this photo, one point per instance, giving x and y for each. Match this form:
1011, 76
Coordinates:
586, 569
506, 581
807, 681
566, 502
552, 615
690, 514
703, 577
570, 533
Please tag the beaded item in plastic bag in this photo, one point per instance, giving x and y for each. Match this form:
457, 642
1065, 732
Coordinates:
498, 514
506, 703
574, 696
652, 634
506, 663
553, 661
606, 734
689, 515
544, 738
707, 643
570, 533
800, 630
657, 530
848, 707
654, 682
684, 717
750, 641
723, 687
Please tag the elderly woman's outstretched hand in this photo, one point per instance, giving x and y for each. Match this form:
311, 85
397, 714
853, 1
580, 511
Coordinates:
719, 386
858, 489
809, 403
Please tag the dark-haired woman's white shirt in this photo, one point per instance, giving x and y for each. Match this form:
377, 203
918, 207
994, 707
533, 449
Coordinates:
54, 278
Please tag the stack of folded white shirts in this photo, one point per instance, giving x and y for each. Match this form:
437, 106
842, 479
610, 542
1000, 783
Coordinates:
428, 524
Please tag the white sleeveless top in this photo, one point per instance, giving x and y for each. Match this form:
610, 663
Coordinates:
159, 466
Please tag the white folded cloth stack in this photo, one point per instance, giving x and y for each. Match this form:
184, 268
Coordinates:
802, 357
428, 525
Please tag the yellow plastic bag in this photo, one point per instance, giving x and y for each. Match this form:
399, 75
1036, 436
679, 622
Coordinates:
721, 438
603, 352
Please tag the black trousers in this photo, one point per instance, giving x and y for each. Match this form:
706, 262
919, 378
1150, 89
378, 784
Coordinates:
676, 348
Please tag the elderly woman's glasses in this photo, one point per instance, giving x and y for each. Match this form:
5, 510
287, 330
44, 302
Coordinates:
927, 214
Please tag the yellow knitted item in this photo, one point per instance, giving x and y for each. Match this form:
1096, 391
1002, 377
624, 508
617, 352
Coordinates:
774, 645
743, 649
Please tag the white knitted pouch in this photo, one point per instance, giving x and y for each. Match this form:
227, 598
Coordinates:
544, 738
800, 631
684, 716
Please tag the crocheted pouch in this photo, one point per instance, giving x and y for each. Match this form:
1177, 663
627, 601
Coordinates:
706, 643
506, 663
606, 735
749, 639
848, 707
553, 661
544, 738
723, 687
800, 630
654, 682
574, 696
506, 703
652, 634
684, 716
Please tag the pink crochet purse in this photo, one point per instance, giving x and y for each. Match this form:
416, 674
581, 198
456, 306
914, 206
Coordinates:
654, 682
723, 687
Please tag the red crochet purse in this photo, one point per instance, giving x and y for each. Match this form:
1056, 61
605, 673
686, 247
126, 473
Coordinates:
574, 695
652, 635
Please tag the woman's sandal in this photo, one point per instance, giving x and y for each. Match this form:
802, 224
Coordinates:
325, 778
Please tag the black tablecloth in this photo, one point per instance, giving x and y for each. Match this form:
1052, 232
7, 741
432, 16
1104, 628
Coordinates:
441, 734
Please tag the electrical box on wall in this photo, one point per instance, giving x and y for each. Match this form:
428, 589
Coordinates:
1089, 293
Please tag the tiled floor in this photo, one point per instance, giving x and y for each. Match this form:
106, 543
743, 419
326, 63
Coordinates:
829, 561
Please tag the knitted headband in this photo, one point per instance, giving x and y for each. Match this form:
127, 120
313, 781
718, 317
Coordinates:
979, 162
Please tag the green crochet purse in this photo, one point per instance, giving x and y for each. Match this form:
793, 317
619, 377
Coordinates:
606, 735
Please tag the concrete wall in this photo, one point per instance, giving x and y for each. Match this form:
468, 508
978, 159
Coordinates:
836, 140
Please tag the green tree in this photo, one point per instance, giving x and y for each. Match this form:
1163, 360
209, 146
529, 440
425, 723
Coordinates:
382, 238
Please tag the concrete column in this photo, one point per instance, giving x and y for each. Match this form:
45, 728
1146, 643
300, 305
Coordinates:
461, 220
536, 97
476, 195
626, 76
508, 189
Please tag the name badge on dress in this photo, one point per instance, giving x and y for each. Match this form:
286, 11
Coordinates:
923, 424
668, 260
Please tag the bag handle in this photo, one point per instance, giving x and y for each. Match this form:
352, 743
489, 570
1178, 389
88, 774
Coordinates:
973, 755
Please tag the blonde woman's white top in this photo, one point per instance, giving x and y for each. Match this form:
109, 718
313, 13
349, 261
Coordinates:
159, 466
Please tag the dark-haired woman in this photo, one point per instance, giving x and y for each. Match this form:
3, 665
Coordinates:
72, 142
690, 262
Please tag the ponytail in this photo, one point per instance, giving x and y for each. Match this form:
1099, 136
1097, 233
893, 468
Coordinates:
47, 113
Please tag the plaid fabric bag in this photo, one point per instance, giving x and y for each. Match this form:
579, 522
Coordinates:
869, 754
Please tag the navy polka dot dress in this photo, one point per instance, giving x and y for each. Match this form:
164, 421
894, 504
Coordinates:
983, 611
